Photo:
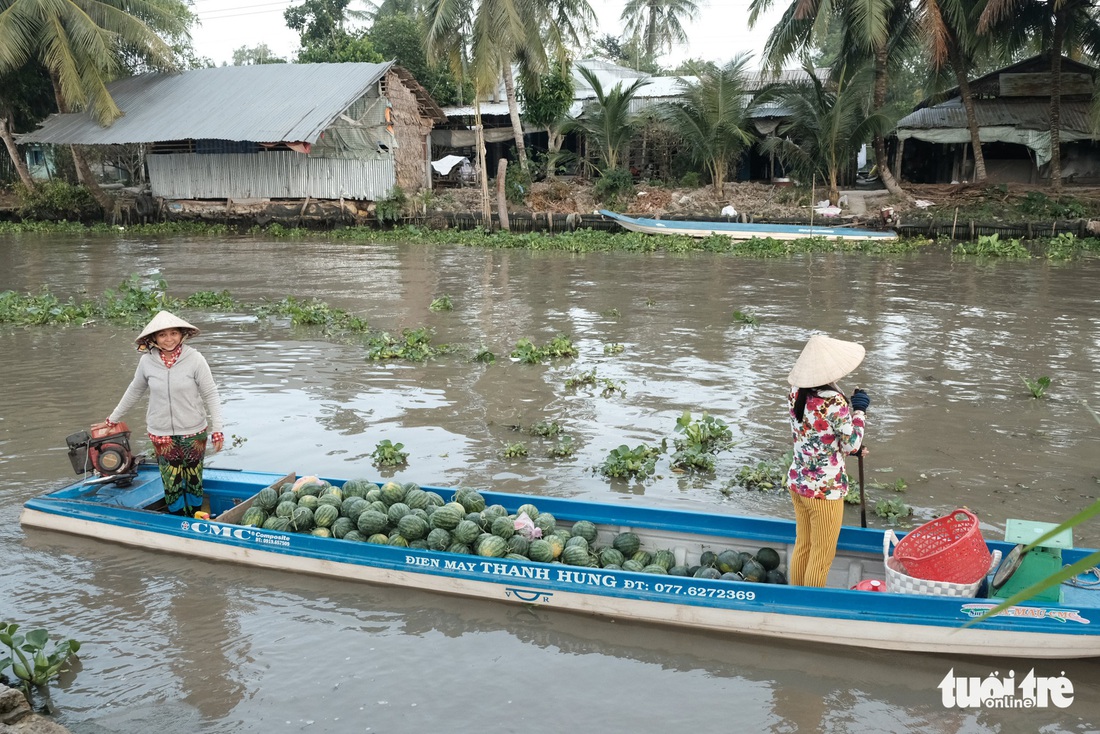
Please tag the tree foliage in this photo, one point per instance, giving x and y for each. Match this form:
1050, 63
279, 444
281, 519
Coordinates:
259, 54
828, 122
608, 124
657, 25
401, 37
712, 117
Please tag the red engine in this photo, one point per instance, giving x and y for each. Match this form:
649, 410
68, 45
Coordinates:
105, 451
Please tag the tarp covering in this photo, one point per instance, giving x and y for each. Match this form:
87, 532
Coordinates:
1020, 122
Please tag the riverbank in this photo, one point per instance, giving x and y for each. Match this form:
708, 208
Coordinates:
956, 213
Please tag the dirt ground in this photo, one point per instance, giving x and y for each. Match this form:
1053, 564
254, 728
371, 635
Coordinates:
765, 202
760, 201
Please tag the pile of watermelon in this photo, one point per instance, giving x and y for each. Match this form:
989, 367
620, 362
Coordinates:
403, 514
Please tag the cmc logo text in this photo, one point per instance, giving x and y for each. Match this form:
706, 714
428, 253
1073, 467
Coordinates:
223, 531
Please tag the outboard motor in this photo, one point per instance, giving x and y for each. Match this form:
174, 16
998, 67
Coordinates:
105, 451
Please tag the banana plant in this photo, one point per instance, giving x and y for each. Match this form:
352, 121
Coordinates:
31, 662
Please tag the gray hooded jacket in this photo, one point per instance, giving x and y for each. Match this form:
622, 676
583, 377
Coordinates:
176, 395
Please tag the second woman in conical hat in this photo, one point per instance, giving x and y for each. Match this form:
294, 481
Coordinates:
184, 408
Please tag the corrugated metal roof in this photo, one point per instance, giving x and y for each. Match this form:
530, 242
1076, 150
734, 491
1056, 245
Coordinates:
1022, 114
266, 103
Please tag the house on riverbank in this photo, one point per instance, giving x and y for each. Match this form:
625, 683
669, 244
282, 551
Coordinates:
1012, 106
341, 132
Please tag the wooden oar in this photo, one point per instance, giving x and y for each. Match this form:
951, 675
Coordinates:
862, 496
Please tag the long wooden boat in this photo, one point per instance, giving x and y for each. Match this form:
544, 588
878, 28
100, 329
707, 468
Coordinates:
740, 231
836, 614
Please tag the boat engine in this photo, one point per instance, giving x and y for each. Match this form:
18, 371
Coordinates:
105, 451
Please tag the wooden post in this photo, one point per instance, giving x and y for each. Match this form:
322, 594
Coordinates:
502, 196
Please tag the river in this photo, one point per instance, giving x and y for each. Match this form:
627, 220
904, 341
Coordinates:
180, 645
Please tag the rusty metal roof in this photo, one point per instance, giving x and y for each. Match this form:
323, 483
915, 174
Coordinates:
1023, 114
266, 103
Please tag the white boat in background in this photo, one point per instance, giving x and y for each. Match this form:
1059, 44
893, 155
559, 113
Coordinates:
740, 231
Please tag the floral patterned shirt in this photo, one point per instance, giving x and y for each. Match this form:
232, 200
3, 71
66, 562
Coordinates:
829, 429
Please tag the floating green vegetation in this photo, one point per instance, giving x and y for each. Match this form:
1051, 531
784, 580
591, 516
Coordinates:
1038, 386
764, 475
484, 356
514, 450
137, 298
584, 379
527, 352
546, 429
613, 348
387, 453
414, 345
623, 462
31, 658
209, 300
1061, 247
313, 312
588, 240
588, 378
746, 318
991, 245
892, 510
708, 433
692, 458
563, 448
611, 313
443, 303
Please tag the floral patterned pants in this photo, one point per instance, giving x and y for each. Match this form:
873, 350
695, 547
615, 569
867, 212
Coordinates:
180, 461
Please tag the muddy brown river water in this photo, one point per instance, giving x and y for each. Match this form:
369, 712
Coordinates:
180, 645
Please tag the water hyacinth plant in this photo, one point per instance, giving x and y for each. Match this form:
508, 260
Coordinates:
1038, 386
31, 659
387, 453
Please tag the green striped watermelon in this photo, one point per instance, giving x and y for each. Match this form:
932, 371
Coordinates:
626, 543
540, 550
585, 529
254, 517
412, 527
371, 522
325, 516
492, 546
267, 499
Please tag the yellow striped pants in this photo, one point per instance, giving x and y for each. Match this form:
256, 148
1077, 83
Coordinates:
817, 528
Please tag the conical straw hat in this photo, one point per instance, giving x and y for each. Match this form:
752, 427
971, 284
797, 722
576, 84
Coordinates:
166, 320
825, 360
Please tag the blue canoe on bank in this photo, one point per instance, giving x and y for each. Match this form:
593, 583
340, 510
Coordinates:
739, 231
834, 615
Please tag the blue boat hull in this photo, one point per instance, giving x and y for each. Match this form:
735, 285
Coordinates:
834, 615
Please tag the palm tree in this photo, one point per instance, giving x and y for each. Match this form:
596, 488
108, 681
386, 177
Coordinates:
608, 123
501, 32
828, 122
712, 117
79, 43
870, 31
657, 23
950, 34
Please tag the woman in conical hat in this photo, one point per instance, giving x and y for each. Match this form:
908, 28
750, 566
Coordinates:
825, 427
184, 408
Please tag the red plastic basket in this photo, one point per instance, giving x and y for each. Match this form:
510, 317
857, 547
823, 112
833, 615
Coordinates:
950, 548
